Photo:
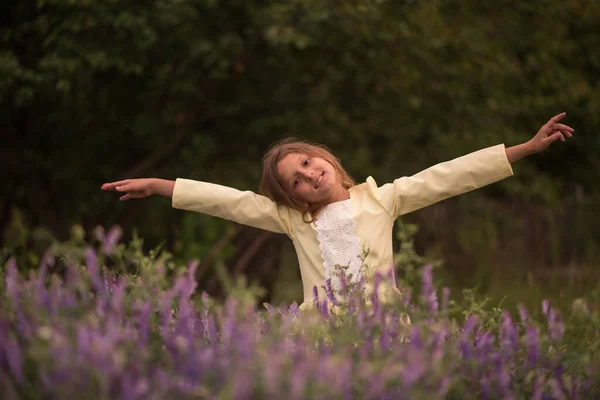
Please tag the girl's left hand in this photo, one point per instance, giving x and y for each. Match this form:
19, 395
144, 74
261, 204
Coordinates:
549, 133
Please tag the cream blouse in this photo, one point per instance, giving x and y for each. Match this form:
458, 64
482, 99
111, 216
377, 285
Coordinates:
352, 228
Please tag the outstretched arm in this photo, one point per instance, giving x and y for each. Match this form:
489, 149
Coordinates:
465, 173
244, 207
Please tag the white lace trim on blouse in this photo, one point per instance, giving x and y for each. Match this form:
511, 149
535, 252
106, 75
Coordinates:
338, 241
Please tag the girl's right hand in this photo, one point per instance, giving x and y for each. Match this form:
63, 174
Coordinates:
135, 188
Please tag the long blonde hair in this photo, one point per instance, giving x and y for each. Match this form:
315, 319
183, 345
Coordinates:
273, 186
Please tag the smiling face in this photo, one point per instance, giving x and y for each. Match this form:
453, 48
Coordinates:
303, 176
312, 179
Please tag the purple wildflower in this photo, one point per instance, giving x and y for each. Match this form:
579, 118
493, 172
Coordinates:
344, 284
83, 339
503, 377
557, 392
508, 334
545, 307
204, 297
433, 302
465, 343
558, 374
428, 293
272, 374
190, 283
485, 386
465, 348
228, 322
427, 280
375, 303
111, 239
209, 326
166, 310
91, 261
141, 388
377, 282
484, 341
242, 384
144, 324
117, 296
445, 383
538, 388
587, 384
555, 325
294, 310
523, 313
531, 340
415, 337
329, 292
324, 308
385, 339
14, 357
71, 276
298, 380
414, 369
315, 294
24, 325
470, 325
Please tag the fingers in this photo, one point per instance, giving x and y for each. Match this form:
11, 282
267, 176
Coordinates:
554, 137
113, 185
563, 127
557, 118
554, 121
566, 130
552, 127
135, 188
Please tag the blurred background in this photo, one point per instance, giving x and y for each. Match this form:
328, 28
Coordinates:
98, 91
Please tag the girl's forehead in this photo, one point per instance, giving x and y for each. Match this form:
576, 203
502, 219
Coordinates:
291, 157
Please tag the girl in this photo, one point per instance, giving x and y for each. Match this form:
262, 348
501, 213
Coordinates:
332, 222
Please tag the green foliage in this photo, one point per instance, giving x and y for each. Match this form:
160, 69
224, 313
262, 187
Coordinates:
98, 91
408, 262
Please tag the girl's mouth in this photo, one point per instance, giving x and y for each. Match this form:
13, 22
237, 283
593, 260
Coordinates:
319, 180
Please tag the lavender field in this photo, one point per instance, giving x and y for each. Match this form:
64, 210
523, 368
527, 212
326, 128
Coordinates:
74, 329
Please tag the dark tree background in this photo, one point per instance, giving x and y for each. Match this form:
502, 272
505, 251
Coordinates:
96, 91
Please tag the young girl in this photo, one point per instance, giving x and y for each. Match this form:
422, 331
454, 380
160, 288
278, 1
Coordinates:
332, 222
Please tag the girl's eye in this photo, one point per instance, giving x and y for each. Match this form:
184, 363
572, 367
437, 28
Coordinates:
305, 163
296, 181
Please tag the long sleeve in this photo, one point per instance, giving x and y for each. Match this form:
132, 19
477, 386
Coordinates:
244, 207
444, 180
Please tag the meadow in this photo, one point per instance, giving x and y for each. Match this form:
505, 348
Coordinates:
502, 291
108, 320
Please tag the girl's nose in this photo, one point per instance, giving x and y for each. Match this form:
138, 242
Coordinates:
308, 176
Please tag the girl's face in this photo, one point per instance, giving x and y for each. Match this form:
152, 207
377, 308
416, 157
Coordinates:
312, 179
